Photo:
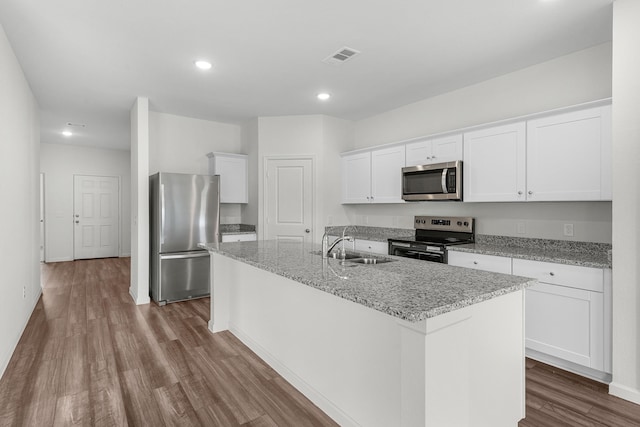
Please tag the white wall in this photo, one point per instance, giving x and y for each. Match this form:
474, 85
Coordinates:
572, 79
249, 211
139, 284
180, 145
19, 192
318, 136
60, 163
626, 200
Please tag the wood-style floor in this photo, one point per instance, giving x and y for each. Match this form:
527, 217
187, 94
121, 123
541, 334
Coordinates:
89, 356
559, 398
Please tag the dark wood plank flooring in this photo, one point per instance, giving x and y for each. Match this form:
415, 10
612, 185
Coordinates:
559, 398
90, 356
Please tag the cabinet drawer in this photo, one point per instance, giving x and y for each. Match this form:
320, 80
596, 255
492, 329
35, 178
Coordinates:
590, 279
375, 247
244, 237
496, 264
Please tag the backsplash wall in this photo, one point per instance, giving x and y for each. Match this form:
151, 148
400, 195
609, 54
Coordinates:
591, 220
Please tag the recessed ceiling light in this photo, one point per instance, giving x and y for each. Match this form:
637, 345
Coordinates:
324, 96
67, 133
203, 65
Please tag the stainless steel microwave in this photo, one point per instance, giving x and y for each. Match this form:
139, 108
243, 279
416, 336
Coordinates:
439, 181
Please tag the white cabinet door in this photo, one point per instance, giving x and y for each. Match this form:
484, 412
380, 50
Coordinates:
418, 153
386, 174
566, 323
446, 148
233, 170
496, 264
356, 178
569, 156
436, 150
565, 312
494, 164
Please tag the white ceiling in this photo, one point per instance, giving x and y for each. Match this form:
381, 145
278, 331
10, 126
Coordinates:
87, 60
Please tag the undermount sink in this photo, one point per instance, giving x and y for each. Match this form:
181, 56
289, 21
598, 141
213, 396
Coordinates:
354, 257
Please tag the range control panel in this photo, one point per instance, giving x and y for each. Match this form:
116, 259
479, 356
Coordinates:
462, 224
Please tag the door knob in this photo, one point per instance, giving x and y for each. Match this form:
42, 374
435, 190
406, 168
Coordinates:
307, 231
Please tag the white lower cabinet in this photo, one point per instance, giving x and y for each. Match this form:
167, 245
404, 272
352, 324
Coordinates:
568, 313
241, 237
496, 264
380, 248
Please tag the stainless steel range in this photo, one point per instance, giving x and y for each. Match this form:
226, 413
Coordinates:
433, 235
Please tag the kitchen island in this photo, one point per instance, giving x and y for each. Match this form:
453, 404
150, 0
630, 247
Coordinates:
405, 342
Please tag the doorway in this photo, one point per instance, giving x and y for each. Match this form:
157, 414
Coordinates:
289, 199
96, 216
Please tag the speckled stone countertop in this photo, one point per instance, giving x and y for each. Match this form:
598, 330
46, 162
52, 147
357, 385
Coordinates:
585, 254
409, 289
237, 229
376, 234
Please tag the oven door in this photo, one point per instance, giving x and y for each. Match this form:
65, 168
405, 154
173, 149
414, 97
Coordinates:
441, 181
417, 251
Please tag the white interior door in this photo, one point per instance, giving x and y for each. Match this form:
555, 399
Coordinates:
96, 216
289, 199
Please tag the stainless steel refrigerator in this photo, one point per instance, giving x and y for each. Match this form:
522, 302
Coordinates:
184, 211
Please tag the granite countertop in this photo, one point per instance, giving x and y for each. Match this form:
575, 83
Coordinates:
237, 229
585, 254
408, 289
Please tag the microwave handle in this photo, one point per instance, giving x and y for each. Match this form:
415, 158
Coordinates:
444, 180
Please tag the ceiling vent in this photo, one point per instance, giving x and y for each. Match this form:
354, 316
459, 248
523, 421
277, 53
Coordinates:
342, 55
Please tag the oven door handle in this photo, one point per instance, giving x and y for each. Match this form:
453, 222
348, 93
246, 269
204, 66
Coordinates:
444, 180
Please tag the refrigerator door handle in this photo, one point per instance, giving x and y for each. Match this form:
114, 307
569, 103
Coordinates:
161, 215
198, 254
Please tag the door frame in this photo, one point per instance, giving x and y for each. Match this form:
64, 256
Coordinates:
43, 221
73, 187
265, 182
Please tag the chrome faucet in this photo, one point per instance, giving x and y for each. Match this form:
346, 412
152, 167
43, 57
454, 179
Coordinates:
326, 248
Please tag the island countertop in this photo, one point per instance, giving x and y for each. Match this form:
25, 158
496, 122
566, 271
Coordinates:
408, 289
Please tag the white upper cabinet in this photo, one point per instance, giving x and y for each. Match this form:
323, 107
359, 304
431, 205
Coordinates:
233, 170
356, 178
494, 164
562, 157
434, 150
569, 156
373, 176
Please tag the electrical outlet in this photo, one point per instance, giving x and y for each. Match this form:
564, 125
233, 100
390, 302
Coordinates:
521, 228
568, 230
24, 292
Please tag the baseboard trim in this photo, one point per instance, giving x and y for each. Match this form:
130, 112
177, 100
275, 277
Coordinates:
61, 259
139, 301
301, 385
624, 392
584, 371
12, 350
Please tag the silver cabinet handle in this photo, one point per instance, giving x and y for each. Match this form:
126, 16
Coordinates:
552, 274
530, 192
475, 262
307, 231
77, 222
519, 193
